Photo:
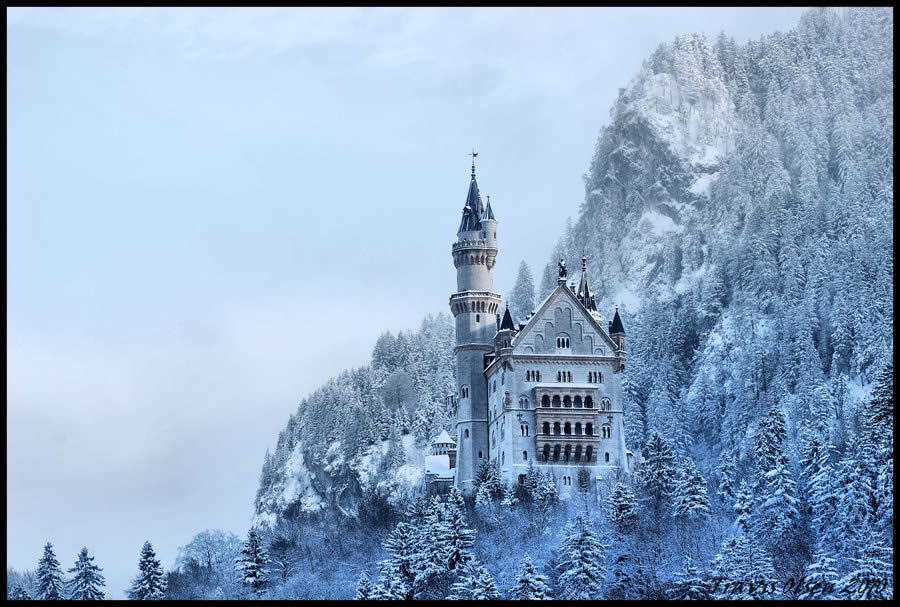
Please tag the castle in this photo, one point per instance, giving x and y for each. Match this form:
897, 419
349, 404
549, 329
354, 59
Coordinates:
546, 391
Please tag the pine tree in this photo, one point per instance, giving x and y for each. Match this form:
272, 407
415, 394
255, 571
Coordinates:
658, 470
87, 583
457, 539
455, 498
19, 594
743, 507
742, 570
529, 585
49, 582
821, 578
363, 588
521, 302
778, 511
873, 576
622, 508
150, 582
690, 499
689, 585
509, 497
580, 562
252, 564
474, 583
726, 478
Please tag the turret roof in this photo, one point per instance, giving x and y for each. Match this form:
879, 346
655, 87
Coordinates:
584, 293
488, 211
616, 325
443, 439
507, 322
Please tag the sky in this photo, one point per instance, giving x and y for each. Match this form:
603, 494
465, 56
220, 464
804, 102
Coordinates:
212, 211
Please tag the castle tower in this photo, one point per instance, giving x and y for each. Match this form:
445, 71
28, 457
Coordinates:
474, 307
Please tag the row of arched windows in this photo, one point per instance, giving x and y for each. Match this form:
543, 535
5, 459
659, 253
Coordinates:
524, 429
464, 392
562, 376
523, 403
567, 454
595, 377
566, 429
606, 431
566, 402
567, 480
562, 342
532, 376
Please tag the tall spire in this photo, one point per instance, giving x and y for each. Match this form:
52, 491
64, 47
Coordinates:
507, 322
584, 293
474, 209
615, 327
488, 211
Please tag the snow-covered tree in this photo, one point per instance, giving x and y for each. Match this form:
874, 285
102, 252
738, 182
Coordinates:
726, 478
19, 593
621, 508
581, 562
742, 570
363, 588
872, 577
521, 301
150, 583
689, 584
821, 578
658, 472
398, 571
87, 583
690, 498
474, 583
529, 585
49, 585
252, 564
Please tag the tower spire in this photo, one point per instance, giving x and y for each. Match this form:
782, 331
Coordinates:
474, 155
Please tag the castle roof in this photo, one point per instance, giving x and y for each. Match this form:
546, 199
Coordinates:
584, 293
507, 322
616, 325
443, 439
488, 211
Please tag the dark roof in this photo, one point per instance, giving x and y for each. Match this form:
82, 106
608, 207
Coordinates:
488, 212
616, 326
584, 293
507, 321
474, 207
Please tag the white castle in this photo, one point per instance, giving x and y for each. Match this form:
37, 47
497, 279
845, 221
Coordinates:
547, 391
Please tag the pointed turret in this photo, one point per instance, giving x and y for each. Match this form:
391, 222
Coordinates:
615, 327
474, 209
488, 212
507, 322
584, 293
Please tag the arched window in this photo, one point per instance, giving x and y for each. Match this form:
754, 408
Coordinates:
570, 376
567, 402
524, 456
556, 428
567, 429
478, 318
546, 427
588, 453
568, 452
607, 458
494, 388
605, 404
578, 402
556, 401
559, 376
577, 428
556, 453
588, 402
578, 453
589, 429
599, 377
503, 457
606, 432
467, 433
480, 456
545, 401
546, 453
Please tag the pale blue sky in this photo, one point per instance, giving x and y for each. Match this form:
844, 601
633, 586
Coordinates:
212, 211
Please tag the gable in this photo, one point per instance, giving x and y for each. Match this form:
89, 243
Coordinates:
563, 316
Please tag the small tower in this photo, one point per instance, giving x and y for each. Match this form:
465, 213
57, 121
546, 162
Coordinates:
474, 307
617, 332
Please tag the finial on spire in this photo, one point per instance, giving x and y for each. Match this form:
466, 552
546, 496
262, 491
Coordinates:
583, 263
474, 155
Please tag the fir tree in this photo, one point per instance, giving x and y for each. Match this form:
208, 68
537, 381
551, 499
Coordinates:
363, 588
689, 585
521, 302
622, 508
873, 576
49, 582
821, 578
743, 507
19, 594
252, 564
474, 583
580, 563
457, 540
88, 581
658, 470
691, 501
398, 571
529, 585
726, 478
150, 582
742, 570
509, 497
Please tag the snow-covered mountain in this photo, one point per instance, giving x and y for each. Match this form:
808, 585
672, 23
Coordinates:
739, 208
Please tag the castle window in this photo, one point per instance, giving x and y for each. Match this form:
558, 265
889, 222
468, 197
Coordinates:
545, 401
578, 453
478, 318
567, 429
480, 457
521, 479
606, 431
546, 427
495, 385
589, 429
503, 457
588, 402
588, 453
607, 458
546, 453
578, 402
570, 376
524, 456
556, 428
467, 433
567, 402
556, 401
578, 428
